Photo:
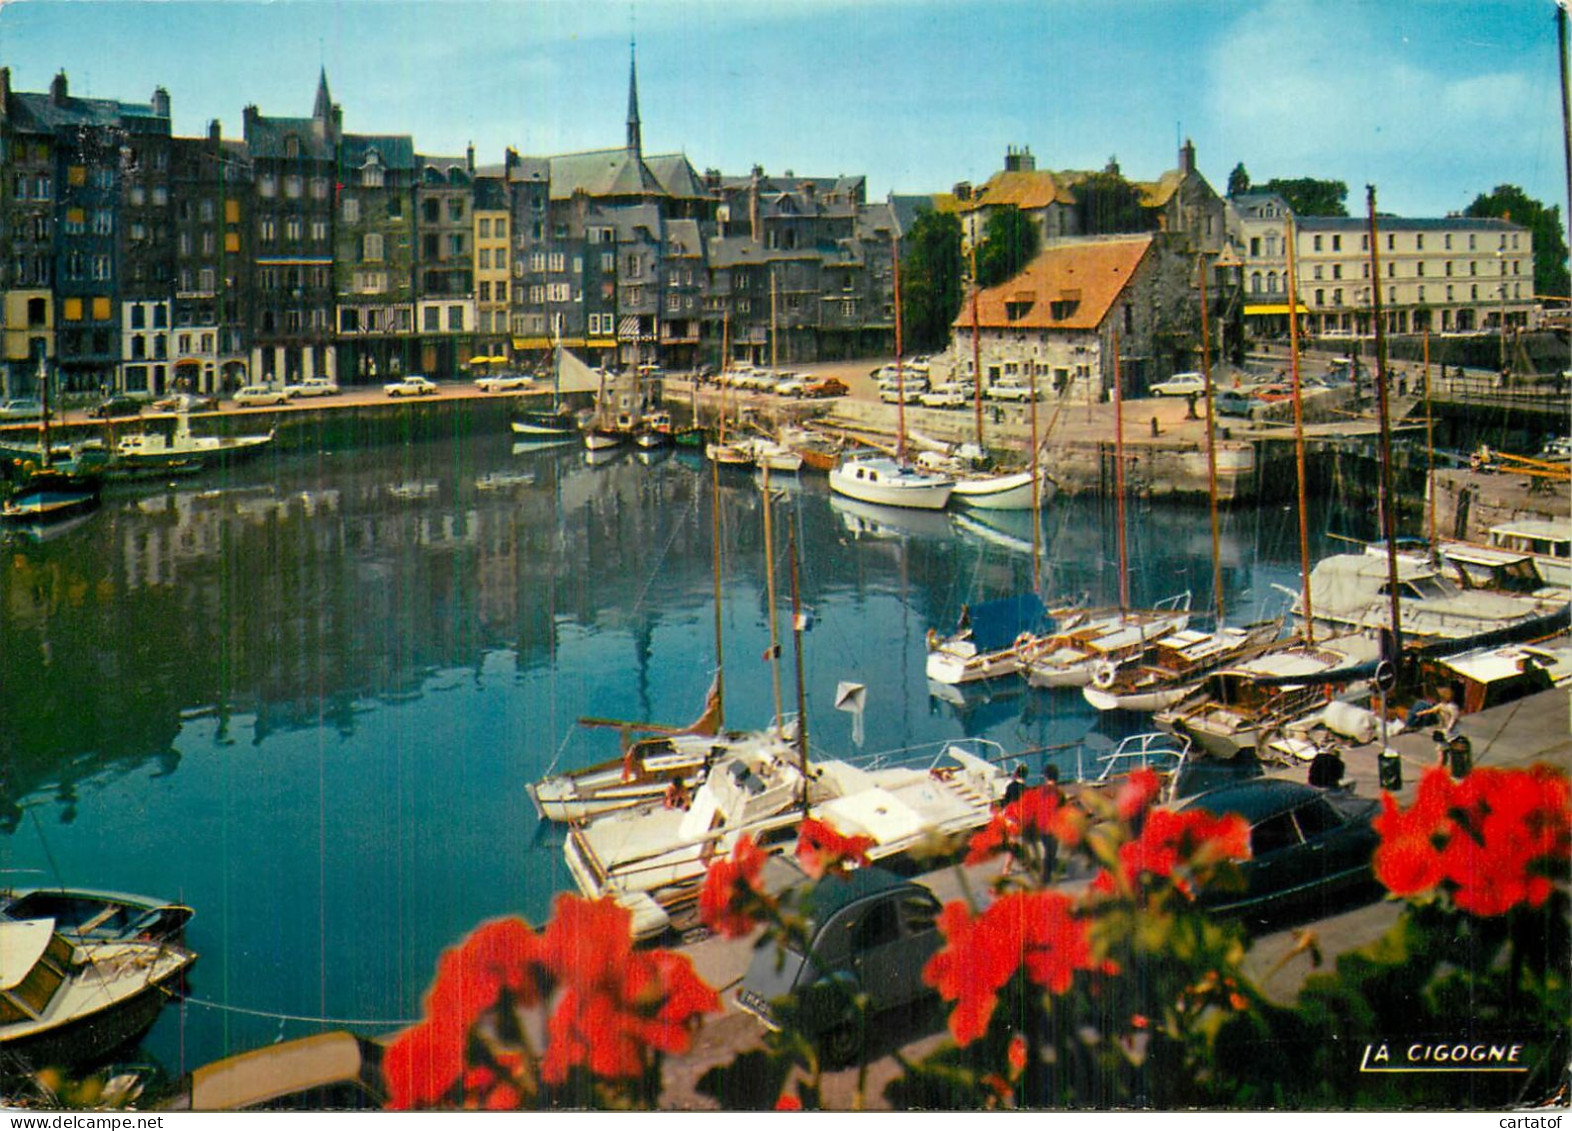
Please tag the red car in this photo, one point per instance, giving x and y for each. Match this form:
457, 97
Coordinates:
1271, 394
825, 387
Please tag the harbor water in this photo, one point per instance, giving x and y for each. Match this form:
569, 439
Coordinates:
304, 696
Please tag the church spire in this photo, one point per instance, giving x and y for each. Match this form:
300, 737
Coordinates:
635, 137
323, 111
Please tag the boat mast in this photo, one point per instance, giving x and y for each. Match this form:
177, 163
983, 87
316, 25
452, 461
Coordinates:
900, 376
43, 426
1211, 446
1430, 446
715, 563
1299, 435
769, 585
1566, 107
1124, 563
1388, 497
775, 367
720, 374
977, 381
1037, 512
802, 694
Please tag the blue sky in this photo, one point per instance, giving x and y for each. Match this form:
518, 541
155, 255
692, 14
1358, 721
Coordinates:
1432, 101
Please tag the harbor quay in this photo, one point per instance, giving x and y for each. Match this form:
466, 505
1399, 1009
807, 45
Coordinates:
1514, 736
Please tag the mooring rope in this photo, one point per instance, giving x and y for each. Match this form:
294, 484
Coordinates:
346, 1022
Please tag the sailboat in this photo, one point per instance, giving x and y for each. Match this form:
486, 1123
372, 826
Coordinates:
47, 493
889, 480
720, 450
555, 423
988, 641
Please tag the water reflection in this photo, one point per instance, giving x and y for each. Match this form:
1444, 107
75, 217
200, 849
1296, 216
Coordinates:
304, 696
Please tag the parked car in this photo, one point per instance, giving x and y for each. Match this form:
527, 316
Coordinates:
790, 385
825, 387
503, 383
261, 394
313, 387
891, 394
412, 386
185, 402
1233, 402
117, 405
1180, 385
1008, 392
946, 396
1307, 844
869, 934
1272, 394
23, 408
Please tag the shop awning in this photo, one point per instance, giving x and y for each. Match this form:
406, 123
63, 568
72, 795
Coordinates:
532, 343
1272, 308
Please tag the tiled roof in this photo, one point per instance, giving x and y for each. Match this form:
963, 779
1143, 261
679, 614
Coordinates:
30, 113
1086, 277
266, 137
1041, 188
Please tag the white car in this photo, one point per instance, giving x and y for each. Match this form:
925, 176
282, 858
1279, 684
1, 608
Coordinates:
790, 385
412, 386
262, 394
313, 387
944, 397
503, 383
1180, 385
1006, 392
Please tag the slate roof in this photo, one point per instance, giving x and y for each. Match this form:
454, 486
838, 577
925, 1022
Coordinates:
38, 113
452, 172
530, 169
684, 238
1400, 224
266, 137
602, 173
491, 195
396, 151
676, 176
1091, 273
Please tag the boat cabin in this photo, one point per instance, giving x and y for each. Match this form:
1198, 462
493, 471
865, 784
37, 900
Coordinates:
34, 963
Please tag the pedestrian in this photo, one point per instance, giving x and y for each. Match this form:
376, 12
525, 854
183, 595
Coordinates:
677, 796
1327, 768
1047, 842
1017, 786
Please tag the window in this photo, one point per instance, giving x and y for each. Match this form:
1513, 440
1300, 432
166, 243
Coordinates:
319, 233
1318, 243
1337, 270
371, 176
138, 316
483, 258
1337, 243
1391, 295
292, 228
75, 221
1337, 297
502, 292
1471, 242
1446, 241
537, 261
1473, 267
537, 294
430, 318
455, 318
371, 248
101, 308
267, 185
1320, 297
267, 229
483, 226
1317, 270
293, 186
557, 292
455, 208
1391, 242
101, 270
1421, 294
456, 243
1255, 247
351, 209
1273, 834
673, 303
558, 261
1473, 291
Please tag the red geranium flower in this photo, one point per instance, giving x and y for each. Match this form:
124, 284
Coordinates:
1193, 840
788, 1102
731, 888
821, 850
1137, 792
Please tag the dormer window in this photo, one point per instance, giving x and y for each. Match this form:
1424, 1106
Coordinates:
292, 147
1016, 309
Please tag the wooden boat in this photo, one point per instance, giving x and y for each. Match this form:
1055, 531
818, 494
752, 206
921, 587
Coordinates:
652, 860
885, 481
1010, 491
72, 1005
1239, 707
337, 1071
655, 431
1068, 658
86, 915
774, 455
48, 494
1173, 666
988, 641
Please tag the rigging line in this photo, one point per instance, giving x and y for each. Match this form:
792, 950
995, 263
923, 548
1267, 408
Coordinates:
676, 532
272, 1016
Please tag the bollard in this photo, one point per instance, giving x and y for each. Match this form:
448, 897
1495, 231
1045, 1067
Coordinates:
1389, 768
1155, 430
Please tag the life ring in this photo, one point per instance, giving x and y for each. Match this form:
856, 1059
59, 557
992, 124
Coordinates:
1104, 674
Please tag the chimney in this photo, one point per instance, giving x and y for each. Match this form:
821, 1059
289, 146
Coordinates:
5, 91
58, 92
1112, 168
249, 118
215, 131
510, 161
1187, 157
962, 190
160, 102
1019, 160
469, 158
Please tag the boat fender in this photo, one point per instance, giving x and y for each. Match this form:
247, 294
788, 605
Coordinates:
1104, 674
933, 641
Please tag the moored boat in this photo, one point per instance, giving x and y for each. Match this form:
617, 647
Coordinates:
1173, 666
883, 480
1009, 491
1069, 657
153, 449
989, 640
87, 915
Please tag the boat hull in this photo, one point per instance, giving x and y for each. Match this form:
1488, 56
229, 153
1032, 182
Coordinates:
1154, 700
92, 1039
1003, 492
542, 430
887, 484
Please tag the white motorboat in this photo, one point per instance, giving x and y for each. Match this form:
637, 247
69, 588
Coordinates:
1550, 544
1069, 657
71, 1004
887, 482
652, 860
1349, 593
728, 453
775, 456
152, 448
